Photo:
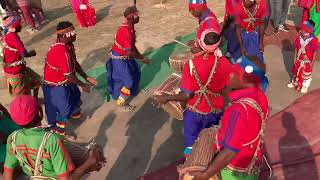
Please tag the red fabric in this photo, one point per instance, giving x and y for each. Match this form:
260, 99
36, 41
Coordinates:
12, 22
23, 109
26, 11
305, 15
126, 38
231, 6
67, 157
13, 41
218, 82
310, 49
241, 126
62, 57
89, 16
200, 7
305, 3
241, 15
208, 20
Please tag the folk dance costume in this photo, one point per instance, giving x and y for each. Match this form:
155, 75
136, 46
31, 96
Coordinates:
62, 98
26, 146
249, 23
233, 46
311, 11
123, 72
306, 49
84, 12
20, 78
242, 131
205, 77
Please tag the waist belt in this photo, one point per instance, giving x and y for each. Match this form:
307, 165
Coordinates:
63, 83
14, 64
306, 61
119, 57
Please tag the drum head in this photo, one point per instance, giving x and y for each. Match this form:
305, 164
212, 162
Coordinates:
174, 109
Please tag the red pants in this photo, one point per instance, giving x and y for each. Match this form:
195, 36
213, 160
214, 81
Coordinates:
26, 11
301, 71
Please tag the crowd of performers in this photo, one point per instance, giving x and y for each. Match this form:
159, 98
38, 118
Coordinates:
224, 91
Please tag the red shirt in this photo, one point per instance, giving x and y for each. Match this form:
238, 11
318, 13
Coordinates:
242, 18
240, 126
61, 61
124, 40
231, 6
218, 82
310, 49
14, 53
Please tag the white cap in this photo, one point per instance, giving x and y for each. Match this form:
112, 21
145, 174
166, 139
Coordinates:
248, 69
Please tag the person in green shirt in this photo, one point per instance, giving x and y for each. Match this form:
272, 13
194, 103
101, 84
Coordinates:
53, 161
7, 126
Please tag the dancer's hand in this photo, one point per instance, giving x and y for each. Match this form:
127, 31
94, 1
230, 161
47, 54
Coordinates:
32, 53
243, 51
195, 50
92, 81
261, 47
96, 159
199, 175
86, 88
159, 100
146, 60
191, 43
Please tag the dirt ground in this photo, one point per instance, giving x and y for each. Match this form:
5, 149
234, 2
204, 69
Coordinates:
146, 139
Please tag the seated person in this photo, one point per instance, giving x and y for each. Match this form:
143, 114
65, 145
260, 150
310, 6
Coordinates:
54, 160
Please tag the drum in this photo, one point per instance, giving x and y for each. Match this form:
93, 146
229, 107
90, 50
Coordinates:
79, 152
171, 86
201, 156
177, 61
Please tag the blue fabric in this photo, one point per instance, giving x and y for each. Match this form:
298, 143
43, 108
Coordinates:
233, 46
251, 44
244, 61
61, 102
122, 73
194, 123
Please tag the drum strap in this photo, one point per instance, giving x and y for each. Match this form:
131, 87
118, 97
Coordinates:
260, 137
204, 91
251, 20
37, 170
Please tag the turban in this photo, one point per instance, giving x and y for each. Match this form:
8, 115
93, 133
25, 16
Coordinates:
11, 22
23, 109
307, 26
197, 5
248, 69
214, 28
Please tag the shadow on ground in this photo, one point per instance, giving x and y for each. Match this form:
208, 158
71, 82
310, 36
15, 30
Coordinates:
134, 159
288, 56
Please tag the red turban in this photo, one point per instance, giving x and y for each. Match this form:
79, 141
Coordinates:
23, 109
197, 5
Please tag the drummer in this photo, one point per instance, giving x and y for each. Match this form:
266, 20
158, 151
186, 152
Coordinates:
55, 161
203, 80
207, 19
240, 137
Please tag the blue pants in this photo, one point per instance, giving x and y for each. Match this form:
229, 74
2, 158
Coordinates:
251, 42
233, 46
61, 102
194, 123
122, 73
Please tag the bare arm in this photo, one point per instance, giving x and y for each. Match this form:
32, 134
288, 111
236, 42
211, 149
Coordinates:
77, 173
80, 71
159, 100
261, 36
238, 32
134, 53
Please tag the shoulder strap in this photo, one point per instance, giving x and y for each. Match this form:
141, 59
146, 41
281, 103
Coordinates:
38, 164
302, 49
17, 155
252, 103
203, 91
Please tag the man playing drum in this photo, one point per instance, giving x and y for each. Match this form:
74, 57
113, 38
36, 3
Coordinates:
250, 26
39, 151
60, 89
238, 142
203, 79
207, 19
123, 72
